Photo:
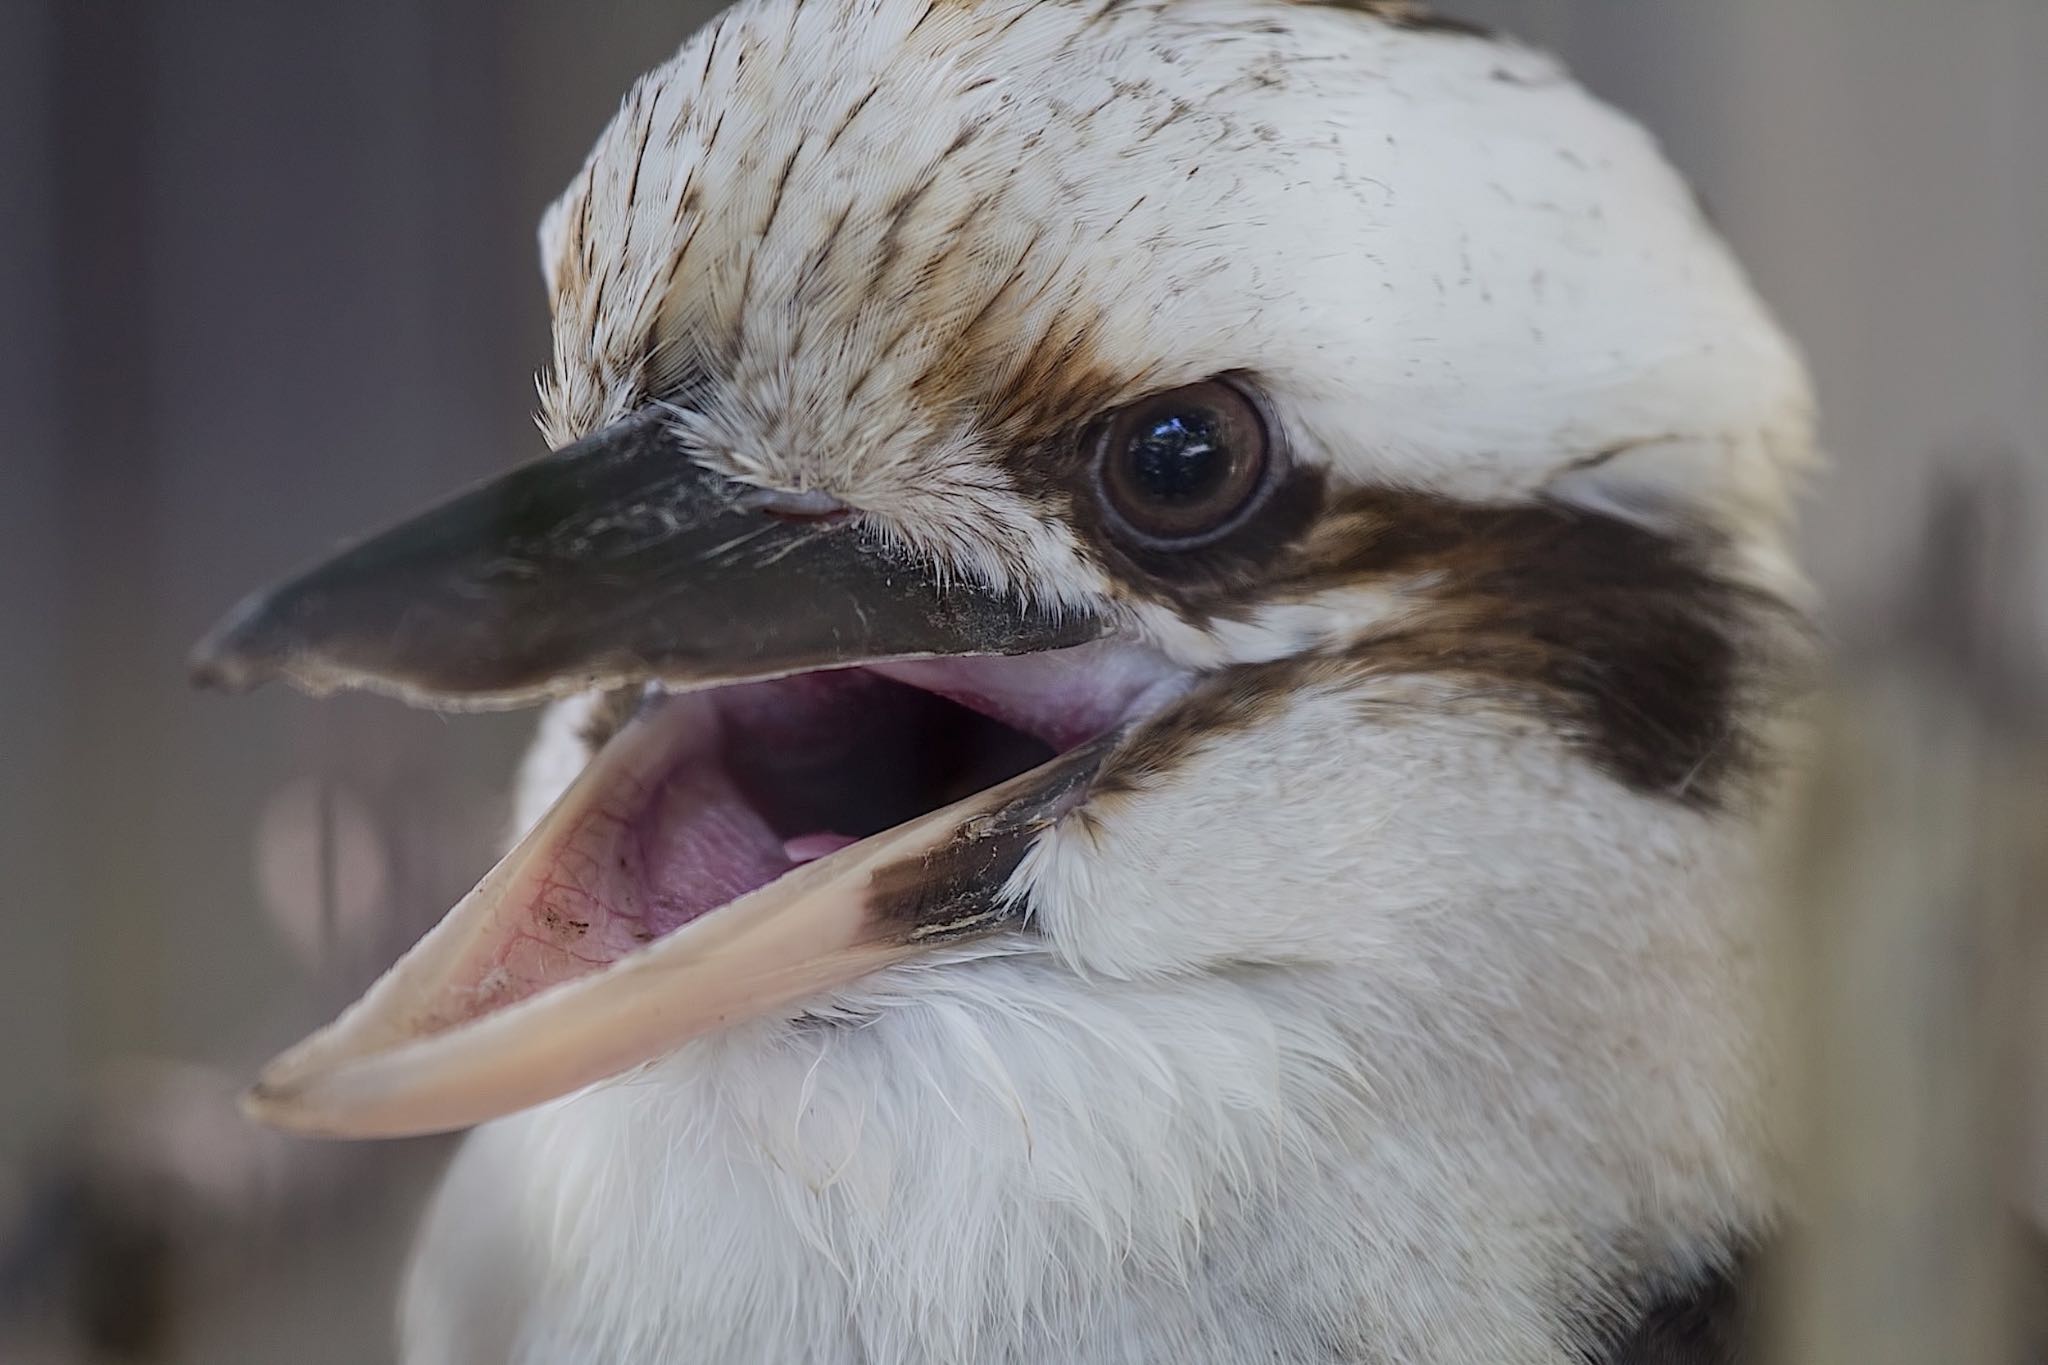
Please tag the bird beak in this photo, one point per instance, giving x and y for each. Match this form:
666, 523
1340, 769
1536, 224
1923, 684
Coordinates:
652, 904
614, 560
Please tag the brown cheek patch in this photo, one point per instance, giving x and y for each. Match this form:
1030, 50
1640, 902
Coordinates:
1658, 666
1626, 639
1622, 638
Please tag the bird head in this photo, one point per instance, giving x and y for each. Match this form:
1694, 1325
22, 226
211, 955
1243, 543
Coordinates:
1144, 494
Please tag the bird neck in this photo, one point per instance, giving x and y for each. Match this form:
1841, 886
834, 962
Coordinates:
999, 1160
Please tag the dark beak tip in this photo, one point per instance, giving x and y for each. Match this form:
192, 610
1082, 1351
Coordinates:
232, 656
615, 558
213, 673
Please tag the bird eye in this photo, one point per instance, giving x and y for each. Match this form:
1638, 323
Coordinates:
1179, 469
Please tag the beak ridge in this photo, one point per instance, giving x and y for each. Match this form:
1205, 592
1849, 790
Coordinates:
612, 561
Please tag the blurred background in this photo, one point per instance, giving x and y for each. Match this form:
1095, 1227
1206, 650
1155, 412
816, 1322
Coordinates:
267, 278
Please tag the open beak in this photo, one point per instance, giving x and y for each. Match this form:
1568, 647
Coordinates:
835, 759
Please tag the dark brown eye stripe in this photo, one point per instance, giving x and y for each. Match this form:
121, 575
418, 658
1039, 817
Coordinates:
1661, 669
1662, 672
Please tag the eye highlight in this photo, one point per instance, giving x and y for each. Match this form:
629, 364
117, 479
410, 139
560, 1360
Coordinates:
1179, 469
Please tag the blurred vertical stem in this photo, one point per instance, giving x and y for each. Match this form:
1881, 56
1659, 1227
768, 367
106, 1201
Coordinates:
1915, 856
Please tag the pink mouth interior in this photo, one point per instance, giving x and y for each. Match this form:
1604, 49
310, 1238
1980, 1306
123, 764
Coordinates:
732, 787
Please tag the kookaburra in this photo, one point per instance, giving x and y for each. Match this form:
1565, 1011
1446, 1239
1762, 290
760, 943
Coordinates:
1171, 634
